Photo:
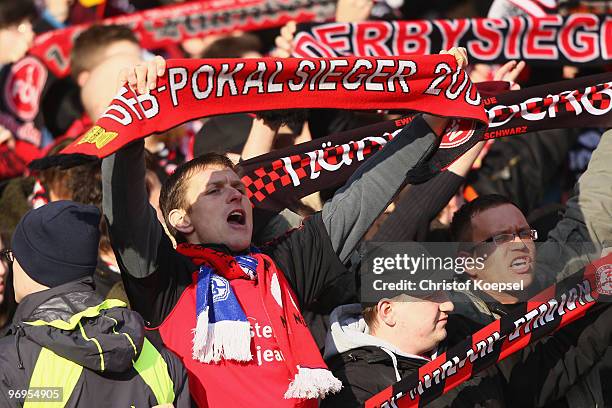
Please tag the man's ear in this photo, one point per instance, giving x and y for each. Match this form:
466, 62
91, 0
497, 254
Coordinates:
472, 272
385, 312
82, 78
179, 219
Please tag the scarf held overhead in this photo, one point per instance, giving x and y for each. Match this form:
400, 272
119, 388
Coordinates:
275, 180
173, 24
548, 311
192, 89
223, 332
577, 39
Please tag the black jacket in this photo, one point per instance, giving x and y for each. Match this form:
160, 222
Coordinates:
367, 370
108, 345
366, 365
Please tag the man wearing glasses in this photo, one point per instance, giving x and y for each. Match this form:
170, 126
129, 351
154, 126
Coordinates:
493, 228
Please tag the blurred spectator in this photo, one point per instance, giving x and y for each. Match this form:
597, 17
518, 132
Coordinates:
82, 184
524, 168
239, 45
98, 54
54, 15
234, 45
15, 201
225, 134
354, 11
170, 149
16, 33
52, 183
35, 106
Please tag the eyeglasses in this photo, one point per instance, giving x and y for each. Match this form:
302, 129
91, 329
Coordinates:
500, 239
7, 255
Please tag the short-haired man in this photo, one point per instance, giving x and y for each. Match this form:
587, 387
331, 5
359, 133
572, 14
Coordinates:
217, 281
503, 239
66, 343
495, 228
371, 349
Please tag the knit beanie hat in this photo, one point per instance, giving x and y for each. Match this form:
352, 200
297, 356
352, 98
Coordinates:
58, 242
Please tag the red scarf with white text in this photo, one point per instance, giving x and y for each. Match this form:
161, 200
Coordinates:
192, 89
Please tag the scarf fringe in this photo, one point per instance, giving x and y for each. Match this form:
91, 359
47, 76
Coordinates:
200, 335
313, 383
229, 340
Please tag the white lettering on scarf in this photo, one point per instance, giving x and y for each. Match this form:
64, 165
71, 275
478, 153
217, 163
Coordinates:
263, 354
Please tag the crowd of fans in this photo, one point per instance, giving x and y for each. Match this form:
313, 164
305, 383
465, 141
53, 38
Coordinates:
147, 278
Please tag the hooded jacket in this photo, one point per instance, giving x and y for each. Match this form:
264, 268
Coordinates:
68, 344
538, 374
367, 365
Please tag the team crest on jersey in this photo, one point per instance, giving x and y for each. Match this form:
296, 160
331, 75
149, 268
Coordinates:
220, 288
457, 133
603, 277
23, 87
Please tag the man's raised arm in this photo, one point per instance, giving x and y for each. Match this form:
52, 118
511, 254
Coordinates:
153, 272
353, 209
133, 225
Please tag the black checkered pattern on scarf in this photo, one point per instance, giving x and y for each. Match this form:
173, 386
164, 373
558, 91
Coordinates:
266, 180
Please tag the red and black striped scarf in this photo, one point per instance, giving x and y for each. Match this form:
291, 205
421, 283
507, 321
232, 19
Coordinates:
547, 312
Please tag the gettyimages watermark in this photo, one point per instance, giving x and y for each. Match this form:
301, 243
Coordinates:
421, 270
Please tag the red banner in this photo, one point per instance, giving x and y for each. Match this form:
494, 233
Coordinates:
192, 89
157, 28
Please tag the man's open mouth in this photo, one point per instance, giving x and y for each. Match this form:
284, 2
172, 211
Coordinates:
237, 217
521, 264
